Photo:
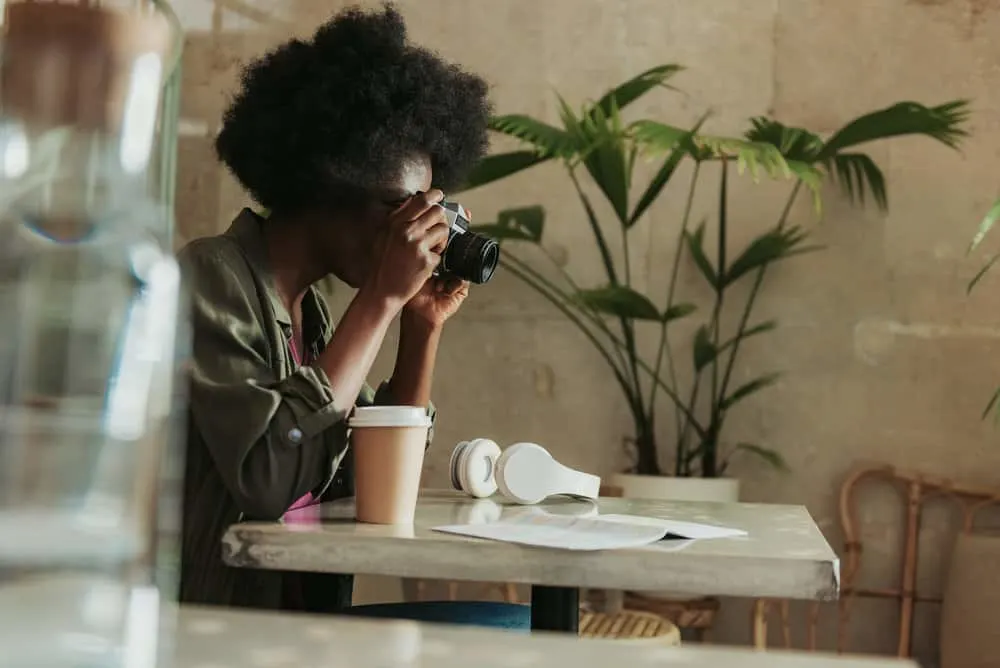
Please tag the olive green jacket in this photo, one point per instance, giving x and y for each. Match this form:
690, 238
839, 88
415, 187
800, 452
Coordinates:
262, 433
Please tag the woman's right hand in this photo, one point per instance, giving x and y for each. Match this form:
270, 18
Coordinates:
410, 249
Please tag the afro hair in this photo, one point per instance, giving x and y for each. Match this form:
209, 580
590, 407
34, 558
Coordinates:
346, 109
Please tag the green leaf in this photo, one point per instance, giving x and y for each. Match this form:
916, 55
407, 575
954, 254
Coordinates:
626, 93
982, 272
607, 158
771, 457
678, 311
944, 123
749, 388
811, 178
695, 243
760, 328
986, 225
531, 219
522, 224
703, 349
857, 173
992, 406
500, 166
667, 169
767, 248
548, 140
621, 301
793, 143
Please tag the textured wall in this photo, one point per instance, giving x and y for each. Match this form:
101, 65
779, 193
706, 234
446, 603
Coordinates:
886, 357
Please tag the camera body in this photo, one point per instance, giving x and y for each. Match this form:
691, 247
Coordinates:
469, 256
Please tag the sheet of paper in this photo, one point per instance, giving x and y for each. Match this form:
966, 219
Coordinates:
676, 528
604, 532
561, 532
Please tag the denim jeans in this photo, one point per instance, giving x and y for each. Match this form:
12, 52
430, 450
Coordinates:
510, 616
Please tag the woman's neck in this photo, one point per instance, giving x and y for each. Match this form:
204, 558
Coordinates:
290, 258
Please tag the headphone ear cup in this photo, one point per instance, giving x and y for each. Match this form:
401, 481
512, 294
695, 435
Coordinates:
521, 473
475, 467
456, 455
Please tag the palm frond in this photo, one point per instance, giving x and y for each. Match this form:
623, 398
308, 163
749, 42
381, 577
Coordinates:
794, 143
857, 174
500, 166
626, 93
944, 123
547, 140
658, 138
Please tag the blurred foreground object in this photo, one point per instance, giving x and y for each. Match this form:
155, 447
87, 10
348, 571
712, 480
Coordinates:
95, 331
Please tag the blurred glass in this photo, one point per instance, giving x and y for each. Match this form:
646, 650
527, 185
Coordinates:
95, 332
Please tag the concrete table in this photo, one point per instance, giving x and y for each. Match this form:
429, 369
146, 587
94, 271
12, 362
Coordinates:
220, 638
783, 556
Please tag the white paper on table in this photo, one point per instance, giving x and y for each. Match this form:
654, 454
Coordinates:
678, 529
571, 533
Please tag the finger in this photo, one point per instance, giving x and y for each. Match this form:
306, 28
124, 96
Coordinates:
434, 239
454, 286
417, 205
428, 219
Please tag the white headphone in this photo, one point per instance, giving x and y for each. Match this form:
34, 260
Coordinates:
524, 473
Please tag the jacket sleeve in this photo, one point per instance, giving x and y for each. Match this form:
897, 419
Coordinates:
272, 440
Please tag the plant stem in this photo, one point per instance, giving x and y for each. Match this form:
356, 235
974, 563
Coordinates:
752, 297
539, 283
625, 255
685, 469
546, 288
609, 267
566, 311
589, 314
709, 454
664, 347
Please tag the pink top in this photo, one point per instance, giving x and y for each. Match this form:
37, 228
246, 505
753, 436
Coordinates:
308, 499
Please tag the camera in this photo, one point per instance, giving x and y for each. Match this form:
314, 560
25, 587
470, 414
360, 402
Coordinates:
469, 256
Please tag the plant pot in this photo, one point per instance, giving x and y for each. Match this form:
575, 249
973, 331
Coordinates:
668, 488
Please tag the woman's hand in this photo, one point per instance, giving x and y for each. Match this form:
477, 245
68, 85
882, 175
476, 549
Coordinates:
409, 250
438, 299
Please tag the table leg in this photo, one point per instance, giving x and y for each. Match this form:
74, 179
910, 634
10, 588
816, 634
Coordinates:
555, 609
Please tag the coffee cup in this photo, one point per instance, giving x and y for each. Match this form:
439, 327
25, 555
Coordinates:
388, 444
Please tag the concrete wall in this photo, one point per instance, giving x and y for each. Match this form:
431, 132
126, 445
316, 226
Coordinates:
886, 357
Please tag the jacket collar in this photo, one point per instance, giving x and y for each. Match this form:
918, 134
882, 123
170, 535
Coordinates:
247, 230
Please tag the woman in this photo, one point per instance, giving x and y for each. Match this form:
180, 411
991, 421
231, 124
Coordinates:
345, 140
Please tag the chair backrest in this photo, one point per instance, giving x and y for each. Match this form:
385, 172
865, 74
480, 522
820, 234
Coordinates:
916, 489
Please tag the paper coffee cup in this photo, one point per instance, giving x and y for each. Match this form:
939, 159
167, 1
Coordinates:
388, 444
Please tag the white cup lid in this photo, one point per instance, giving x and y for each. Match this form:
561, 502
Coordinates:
389, 416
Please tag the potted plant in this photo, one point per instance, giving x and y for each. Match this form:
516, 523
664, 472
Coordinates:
597, 142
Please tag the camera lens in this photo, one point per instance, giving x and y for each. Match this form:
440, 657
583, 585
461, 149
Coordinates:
471, 257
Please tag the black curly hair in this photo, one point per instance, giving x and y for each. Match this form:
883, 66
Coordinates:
346, 109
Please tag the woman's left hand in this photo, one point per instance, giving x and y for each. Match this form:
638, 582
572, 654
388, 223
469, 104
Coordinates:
438, 300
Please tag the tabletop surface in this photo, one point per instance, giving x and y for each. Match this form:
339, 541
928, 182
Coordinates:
216, 638
784, 554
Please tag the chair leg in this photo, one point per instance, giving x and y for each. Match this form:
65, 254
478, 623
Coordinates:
760, 624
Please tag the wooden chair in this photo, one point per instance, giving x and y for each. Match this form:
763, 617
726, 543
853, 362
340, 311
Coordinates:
630, 625
916, 489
